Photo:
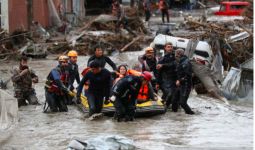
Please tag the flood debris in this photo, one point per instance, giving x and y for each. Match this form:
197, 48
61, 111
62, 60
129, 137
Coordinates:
63, 35
234, 38
238, 84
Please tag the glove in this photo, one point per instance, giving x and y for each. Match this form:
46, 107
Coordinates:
65, 90
112, 98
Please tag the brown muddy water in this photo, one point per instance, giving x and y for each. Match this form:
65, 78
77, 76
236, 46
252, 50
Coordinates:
214, 126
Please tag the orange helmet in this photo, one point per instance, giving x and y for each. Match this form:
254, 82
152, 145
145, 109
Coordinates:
72, 53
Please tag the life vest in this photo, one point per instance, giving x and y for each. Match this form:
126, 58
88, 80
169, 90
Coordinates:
51, 85
133, 72
143, 94
64, 78
83, 73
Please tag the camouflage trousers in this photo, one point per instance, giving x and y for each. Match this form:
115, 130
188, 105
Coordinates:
29, 95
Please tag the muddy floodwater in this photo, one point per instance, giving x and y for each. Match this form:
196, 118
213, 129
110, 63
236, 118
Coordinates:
214, 126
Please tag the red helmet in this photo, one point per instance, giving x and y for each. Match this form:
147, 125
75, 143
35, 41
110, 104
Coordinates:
147, 75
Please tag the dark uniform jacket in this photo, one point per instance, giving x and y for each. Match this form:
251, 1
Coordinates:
184, 70
127, 86
73, 74
149, 65
167, 72
98, 83
102, 61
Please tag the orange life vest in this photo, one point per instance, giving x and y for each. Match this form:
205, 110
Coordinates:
133, 72
143, 93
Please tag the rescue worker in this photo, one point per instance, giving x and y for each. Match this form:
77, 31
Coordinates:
73, 73
149, 63
167, 74
183, 82
55, 87
146, 91
163, 7
23, 77
100, 83
101, 58
125, 94
73, 69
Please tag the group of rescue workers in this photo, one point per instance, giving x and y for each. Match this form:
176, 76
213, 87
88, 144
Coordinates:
123, 87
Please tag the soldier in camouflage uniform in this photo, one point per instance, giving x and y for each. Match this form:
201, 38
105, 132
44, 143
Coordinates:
23, 77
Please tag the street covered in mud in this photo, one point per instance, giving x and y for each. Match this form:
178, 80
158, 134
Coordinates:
221, 98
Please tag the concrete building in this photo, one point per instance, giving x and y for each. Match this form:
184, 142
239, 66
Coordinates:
16, 14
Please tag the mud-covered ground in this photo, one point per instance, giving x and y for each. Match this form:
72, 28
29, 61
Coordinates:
214, 126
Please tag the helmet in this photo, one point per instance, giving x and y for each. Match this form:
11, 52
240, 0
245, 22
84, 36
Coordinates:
149, 50
62, 58
72, 53
147, 75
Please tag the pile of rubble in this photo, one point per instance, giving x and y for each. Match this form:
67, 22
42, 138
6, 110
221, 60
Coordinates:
102, 31
11, 42
233, 38
248, 12
98, 30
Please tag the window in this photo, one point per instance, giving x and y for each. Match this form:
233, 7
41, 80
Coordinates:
222, 8
237, 6
201, 53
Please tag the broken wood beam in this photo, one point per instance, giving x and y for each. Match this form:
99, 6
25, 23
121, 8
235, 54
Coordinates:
87, 25
130, 43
